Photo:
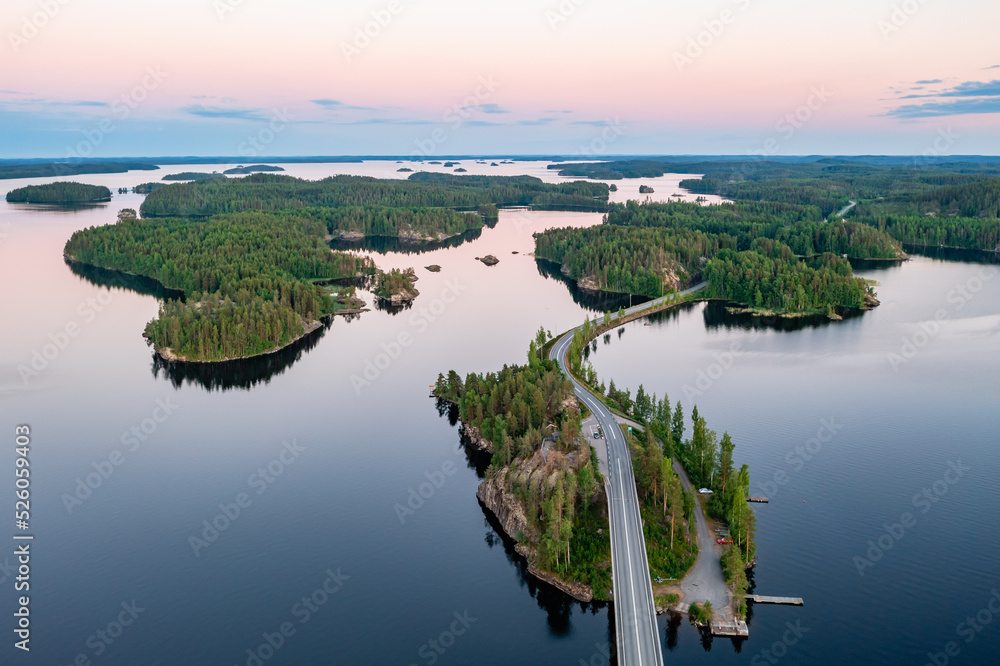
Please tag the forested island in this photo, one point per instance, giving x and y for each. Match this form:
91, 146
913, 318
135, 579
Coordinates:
542, 483
247, 278
246, 253
191, 175
43, 169
655, 249
255, 168
544, 486
396, 286
62, 193
940, 203
269, 192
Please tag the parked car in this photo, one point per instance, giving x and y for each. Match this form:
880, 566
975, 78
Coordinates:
705, 491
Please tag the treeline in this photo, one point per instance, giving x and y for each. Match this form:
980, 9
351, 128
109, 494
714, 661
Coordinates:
654, 260
191, 175
61, 169
800, 227
769, 277
246, 278
428, 223
642, 261
513, 409
60, 193
268, 192
960, 232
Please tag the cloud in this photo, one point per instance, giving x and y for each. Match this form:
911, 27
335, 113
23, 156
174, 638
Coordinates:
928, 82
558, 111
203, 111
968, 98
333, 104
974, 89
539, 121
992, 67
958, 107
489, 107
592, 123
482, 123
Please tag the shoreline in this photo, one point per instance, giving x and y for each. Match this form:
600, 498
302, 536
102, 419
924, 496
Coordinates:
167, 355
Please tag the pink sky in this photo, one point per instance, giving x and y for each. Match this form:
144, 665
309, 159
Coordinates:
230, 64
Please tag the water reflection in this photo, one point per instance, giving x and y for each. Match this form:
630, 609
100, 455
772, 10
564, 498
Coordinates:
723, 314
597, 301
103, 277
394, 245
954, 254
241, 374
558, 606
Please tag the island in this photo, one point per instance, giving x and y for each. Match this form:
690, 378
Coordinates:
646, 189
249, 255
61, 193
191, 175
396, 287
545, 487
256, 168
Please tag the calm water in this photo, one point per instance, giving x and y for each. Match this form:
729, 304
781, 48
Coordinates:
332, 501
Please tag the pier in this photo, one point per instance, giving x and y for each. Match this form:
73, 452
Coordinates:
781, 601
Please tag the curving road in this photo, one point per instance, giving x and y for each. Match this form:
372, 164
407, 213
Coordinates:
635, 612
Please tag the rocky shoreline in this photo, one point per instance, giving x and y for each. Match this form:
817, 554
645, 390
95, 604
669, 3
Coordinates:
507, 509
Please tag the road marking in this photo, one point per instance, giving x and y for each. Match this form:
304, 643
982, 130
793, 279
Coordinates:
631, 580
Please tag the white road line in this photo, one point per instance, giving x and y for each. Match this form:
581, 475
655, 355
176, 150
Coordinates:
631, 580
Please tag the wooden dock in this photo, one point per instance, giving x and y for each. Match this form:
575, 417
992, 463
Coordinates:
758, 500
783, 601
737, 628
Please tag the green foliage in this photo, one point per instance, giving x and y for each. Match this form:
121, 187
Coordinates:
772, 279
739, 225
420, 223
961, 232
702, 614
270, 192
190, 175
59, 193
42, 169
393, 282
246, 277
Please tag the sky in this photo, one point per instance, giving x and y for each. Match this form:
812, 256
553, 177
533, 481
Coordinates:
258, 78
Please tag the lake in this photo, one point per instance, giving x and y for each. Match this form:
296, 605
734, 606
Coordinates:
275, 506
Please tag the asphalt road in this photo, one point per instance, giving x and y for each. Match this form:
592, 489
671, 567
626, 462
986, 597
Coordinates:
635, 612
